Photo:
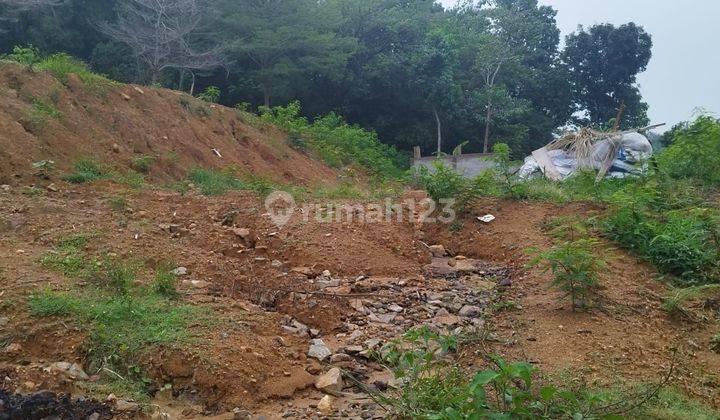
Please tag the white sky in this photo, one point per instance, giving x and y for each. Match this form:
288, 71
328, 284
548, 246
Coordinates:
684, 72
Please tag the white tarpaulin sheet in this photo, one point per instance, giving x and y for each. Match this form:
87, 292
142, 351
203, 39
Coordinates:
633, 151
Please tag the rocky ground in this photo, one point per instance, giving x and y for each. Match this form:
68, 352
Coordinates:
305, 309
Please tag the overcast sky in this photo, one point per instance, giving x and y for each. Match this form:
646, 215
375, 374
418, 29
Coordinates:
684, 72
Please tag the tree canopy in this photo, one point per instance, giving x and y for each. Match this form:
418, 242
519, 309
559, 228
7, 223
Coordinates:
484, 72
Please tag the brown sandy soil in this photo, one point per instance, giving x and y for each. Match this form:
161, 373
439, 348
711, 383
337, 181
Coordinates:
267, 286
626, 336
139, 121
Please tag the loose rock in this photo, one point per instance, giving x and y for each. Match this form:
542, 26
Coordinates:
331, 382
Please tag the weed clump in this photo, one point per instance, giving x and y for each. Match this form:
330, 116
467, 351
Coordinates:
87, 170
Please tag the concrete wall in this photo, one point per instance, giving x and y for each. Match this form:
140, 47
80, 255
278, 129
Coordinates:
469, 165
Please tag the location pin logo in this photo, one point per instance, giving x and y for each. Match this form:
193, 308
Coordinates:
280, 206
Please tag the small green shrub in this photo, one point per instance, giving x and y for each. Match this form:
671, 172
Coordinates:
675, 302
61, 65
343, 191
165, 282
715, 343
575, 266
27, 56
87, 170
666, 222
210, 94
337, 142
118, 203
212, 182
441, 182
143, 163
132, 179
435, 388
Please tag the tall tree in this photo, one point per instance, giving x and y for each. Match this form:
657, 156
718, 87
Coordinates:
604, 62
279, 41
161, 35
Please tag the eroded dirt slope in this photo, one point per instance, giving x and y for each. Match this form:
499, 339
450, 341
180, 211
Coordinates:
116, 124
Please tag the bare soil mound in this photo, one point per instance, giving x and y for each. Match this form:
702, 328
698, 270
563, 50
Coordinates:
44, 119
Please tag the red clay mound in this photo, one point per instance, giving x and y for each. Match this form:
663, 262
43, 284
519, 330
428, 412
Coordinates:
44, 119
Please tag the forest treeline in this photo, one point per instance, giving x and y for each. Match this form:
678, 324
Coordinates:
484, 72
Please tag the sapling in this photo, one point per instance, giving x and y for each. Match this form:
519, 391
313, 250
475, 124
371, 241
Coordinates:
575, 266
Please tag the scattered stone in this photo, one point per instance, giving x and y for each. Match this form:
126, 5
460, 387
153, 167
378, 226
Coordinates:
243, 233
340, 358
395, 308
125, 96
305, 271
122, 405
327, 405
71, 370
4, 321
437, 250
116, 148
197, 284
52, 188
452, 262
180, 271
319, 350
314, 332
506, 282
5, 187
13, 348
326, 273
331, 382
354, 336
470, 311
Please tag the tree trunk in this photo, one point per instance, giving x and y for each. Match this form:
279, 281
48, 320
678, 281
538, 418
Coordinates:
439, 132
488, 115
192, 86
266, 96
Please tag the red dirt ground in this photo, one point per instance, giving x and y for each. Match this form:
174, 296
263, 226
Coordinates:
248, 360
140, 121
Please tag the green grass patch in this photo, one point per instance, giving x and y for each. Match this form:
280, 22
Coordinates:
124, 320
212, 182
121, 327
39, 114
87, 170
61, 65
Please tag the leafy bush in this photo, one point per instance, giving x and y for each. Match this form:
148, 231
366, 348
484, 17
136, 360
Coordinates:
695, 152
87, 170
441, 182
435, 388
27, 56
210, 94
337, 142
575, 266
666, 223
